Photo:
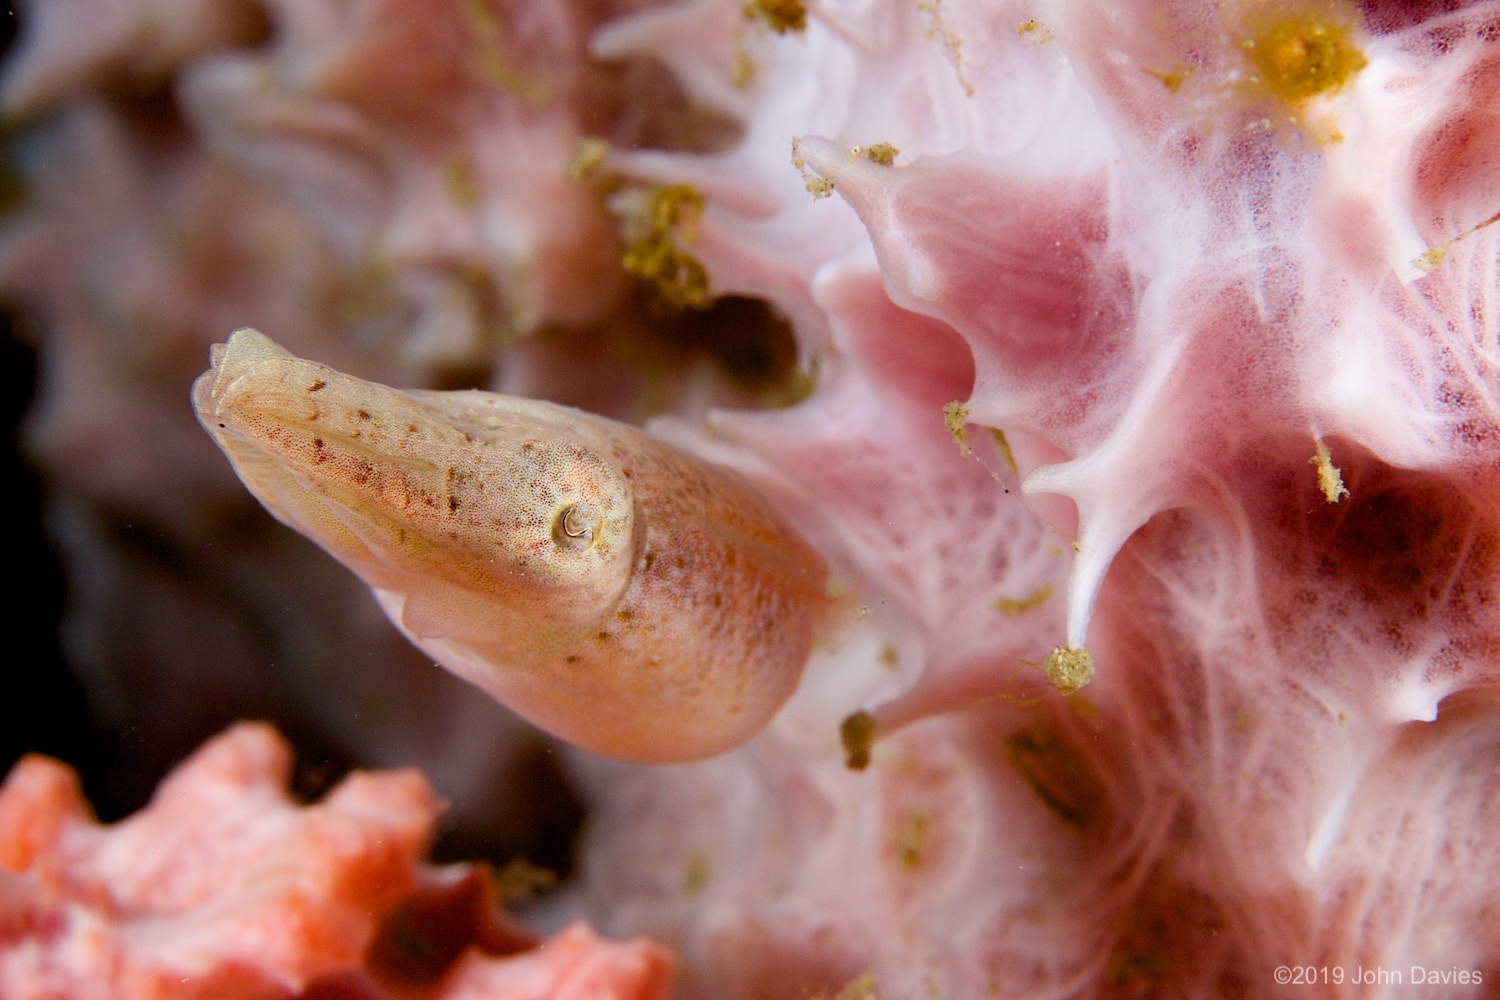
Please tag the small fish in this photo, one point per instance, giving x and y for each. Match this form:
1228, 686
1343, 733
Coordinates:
619, 593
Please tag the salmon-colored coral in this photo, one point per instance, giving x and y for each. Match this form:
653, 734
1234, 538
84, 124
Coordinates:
225, 888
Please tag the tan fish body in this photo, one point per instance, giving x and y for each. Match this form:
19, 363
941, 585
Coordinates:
617, 592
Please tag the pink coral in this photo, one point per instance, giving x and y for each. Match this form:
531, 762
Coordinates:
1207, 315
225, 888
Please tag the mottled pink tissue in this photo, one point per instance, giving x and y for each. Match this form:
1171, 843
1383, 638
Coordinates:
1249, 338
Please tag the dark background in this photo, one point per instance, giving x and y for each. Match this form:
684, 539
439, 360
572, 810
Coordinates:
41, 705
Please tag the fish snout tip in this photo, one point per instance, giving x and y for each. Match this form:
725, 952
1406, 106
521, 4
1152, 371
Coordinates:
241, 350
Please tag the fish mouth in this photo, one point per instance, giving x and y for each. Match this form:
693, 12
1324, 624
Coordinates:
393, 486
256, 390
316, 448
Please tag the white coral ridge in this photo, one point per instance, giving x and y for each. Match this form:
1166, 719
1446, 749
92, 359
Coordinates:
1207, 294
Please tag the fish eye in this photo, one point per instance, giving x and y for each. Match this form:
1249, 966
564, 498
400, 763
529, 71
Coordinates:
574, 527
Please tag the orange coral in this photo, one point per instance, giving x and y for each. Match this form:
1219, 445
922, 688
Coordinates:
224, 887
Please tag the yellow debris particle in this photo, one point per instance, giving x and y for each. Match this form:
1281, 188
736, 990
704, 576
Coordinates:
695, 875
793, 389
882, 153
492, 64
955, 419
1330, 481
676, 209
1016, 605
1302, 57
1003, 447
857, 734
951, 44
667, 219
519, 881
1171, 79
911, 839
1430, 259
1035, 31
818, 187
742, 68
1069, 669
1433, 257
588, 158
780, 16
861, 987
888, 656
460, 183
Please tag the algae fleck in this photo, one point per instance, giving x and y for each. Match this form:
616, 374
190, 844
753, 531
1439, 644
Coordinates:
955, 419
881, 153
780, 16
861, 987
911, 839
655, 236
1035, 32
1069, 669
588, 159
1330, 481
1301, 57
947, 39
1171, 79
817, 186
1018, 605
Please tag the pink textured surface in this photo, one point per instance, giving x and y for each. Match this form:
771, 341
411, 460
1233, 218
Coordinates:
225, 888
1165, 298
